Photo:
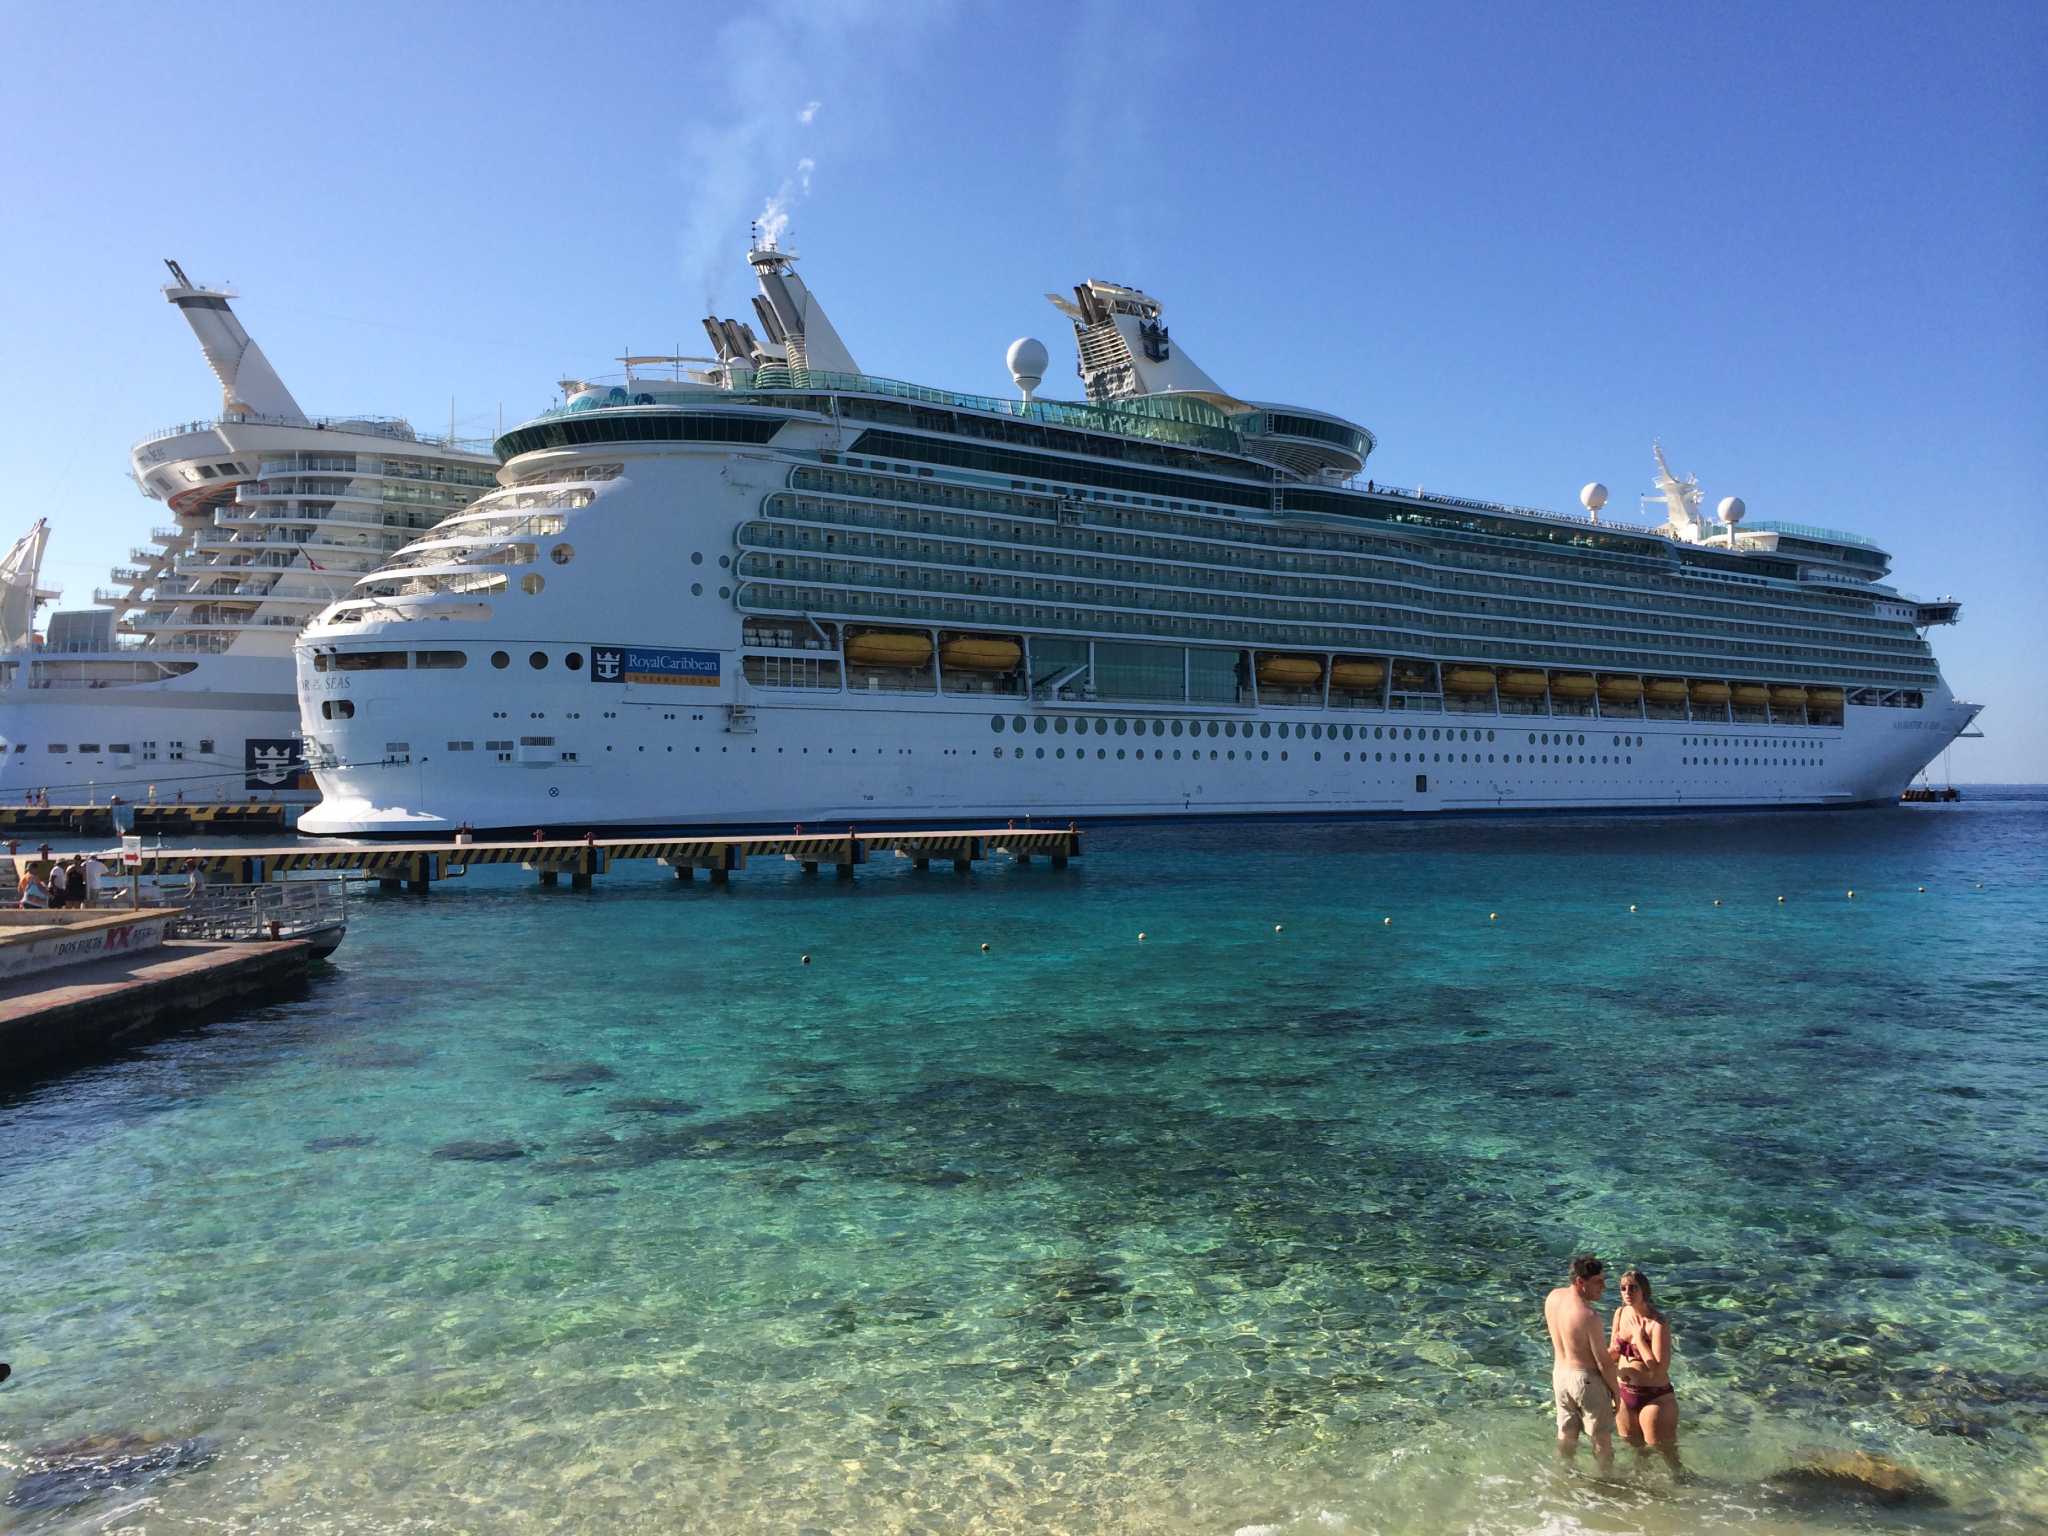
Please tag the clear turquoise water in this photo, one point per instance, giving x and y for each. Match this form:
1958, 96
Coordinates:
1231, 1228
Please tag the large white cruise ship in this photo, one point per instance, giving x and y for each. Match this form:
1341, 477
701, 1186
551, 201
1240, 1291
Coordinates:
774, 590
181, 679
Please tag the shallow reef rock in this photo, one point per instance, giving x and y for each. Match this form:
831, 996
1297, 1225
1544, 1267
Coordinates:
1856, 1477
73, 1471
480, 1151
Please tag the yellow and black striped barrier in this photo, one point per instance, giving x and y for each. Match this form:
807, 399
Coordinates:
419, 866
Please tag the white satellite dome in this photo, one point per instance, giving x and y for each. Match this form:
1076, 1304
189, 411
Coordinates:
1731, 510
1592, 495
1027, 358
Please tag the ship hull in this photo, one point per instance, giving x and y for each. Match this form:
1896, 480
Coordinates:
827, 763
222, 733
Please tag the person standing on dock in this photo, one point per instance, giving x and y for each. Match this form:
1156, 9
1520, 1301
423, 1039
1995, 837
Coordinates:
95, 879
75, 890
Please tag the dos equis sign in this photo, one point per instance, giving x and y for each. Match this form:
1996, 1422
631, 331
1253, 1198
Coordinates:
648, 664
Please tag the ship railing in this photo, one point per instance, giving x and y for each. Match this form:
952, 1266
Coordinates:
1498, 508
1180, 420
1812, 531
394, 428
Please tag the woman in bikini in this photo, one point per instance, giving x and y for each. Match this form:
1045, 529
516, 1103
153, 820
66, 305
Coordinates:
1640, 1347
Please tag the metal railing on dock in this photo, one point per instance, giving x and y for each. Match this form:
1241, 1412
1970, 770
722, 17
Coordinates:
419, 865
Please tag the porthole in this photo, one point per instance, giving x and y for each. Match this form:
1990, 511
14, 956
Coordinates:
725, 591
1212, 728
697, 557
1039, 725
1017, 724
573, 661
1059, 751
1159, 728
531, 583
1060, 726
1176, 731
500, 660
1407, 733
1101, 727
1040, 751
562, 554
1267, 730
696, 589
1347, 733
1230, 728
725, 562
996, 724
538, 660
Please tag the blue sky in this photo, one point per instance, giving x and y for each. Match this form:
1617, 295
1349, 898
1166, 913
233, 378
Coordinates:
1804, 245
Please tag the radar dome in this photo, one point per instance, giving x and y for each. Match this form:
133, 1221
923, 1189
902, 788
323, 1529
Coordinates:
1593, 496
1731, 510
1027, 359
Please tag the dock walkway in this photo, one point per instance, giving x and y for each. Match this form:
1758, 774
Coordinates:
54, 1019
418, 866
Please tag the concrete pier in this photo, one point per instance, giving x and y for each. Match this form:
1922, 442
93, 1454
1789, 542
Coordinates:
66, 1017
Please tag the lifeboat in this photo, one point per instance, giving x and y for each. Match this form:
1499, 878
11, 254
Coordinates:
979, 653
1470, 681
1621, 690
1523, 685
889, 648
1751, 695
1571, 685
1788, 698
1714, 695
1289, 671
1356, 674
1824, 698
1664, 690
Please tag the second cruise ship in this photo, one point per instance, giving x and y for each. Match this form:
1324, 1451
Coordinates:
765, 588
179, 681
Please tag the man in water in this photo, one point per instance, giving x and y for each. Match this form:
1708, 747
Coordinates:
1582, 1383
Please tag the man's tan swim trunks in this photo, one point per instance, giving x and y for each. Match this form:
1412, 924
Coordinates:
1582, 1401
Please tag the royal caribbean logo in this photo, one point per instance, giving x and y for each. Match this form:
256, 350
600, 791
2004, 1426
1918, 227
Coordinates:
274, 763
646, 664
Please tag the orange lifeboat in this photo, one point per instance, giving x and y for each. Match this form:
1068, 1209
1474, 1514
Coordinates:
1751, 695
1824, 698
1469, 681
1523, 685
1620, 690
1664, 690
1571, 685
1357, 674
1788, 698
979, 653
1276, 671
1711, 694
889, 648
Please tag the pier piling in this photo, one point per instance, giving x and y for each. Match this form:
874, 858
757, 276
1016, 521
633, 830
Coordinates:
419, 867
